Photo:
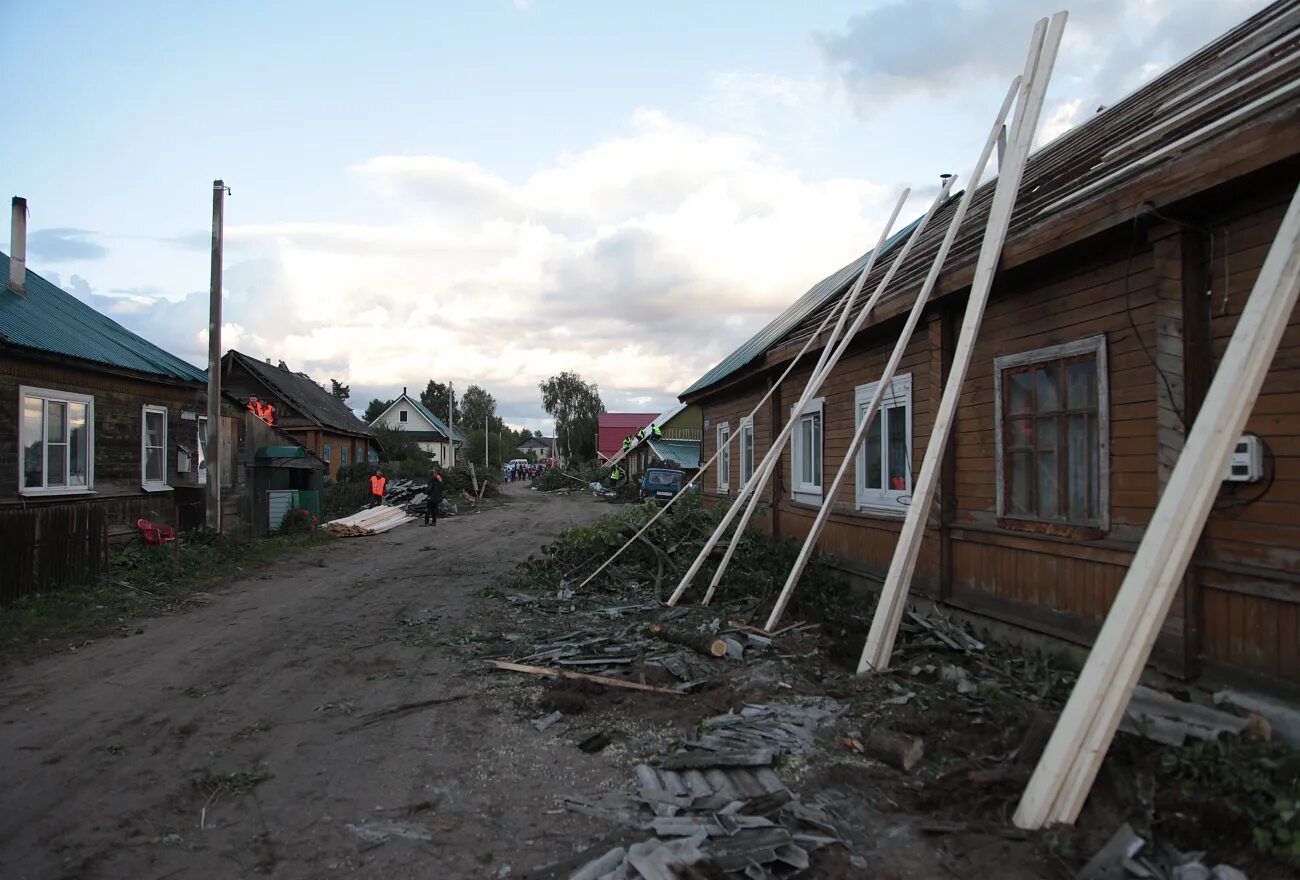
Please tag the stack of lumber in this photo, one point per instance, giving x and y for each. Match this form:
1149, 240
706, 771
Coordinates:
372, 521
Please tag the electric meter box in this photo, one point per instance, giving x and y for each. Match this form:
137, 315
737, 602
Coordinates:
1247, 462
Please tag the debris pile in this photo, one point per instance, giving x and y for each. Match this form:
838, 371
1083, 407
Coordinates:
410, 496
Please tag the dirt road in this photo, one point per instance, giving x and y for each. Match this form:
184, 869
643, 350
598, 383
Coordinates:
247, 737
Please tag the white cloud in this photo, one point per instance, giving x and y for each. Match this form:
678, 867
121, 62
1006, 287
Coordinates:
638, 262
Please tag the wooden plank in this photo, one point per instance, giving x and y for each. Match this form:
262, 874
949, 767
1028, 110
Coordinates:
1038, 68
583, 676
1069, 765
773, 456
886, 376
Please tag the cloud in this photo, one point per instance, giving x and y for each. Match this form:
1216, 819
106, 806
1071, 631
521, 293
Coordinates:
895, 50
64, 245
637, 261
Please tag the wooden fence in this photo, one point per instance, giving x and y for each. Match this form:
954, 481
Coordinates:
51, 547
344, 498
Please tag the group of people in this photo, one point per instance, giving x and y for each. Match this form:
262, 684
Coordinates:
432, 493
653, 431
516, 473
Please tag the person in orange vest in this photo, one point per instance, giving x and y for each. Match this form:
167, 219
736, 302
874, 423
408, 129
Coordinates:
377, 486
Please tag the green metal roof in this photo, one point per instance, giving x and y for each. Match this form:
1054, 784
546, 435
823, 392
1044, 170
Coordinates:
50, 319
788, 320
453, 433
686, 453
281, 452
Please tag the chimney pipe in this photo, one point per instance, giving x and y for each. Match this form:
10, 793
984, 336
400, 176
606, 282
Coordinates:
403, 390
18, 248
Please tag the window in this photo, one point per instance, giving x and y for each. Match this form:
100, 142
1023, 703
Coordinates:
885, 458
807, 459
401, 415
746, 450
373, 457
343, 456
57, 440
1052, 410
724, 457
153, 447
327, 453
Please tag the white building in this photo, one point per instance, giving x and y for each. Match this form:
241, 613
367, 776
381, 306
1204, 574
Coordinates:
434, 436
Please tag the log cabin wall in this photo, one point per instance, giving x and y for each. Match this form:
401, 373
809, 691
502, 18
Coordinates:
1160, 296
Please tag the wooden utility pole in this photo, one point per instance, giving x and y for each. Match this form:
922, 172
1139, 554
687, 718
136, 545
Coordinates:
451, 421
213, 453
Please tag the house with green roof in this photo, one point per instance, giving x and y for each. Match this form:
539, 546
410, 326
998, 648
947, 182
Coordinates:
417, 421
91, 413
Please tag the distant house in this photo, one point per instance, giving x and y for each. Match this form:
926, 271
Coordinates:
540, 447
434, 436
295, 404
613, 427
677, 445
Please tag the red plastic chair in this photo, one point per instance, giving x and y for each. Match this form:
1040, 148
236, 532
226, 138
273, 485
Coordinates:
158, 535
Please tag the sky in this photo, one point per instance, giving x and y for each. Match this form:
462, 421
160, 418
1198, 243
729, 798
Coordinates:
495, 191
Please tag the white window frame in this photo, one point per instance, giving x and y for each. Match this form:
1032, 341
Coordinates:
892, 502
746, 450
1094, 345
326, 450
201, 457
145, 483
801, 491
724, 456
64, 397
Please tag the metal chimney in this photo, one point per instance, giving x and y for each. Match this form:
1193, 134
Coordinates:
18, 248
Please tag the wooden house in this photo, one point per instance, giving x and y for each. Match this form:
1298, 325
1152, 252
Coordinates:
298, 406
93, 414
1135, 240
417, 421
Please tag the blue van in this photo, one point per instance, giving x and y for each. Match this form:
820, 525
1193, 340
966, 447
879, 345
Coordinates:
661, 484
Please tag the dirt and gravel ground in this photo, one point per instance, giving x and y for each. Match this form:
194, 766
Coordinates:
237, 738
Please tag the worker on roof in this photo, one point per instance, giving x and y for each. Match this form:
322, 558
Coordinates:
627, 443
433, 498
640, 435
656, 430
377, 486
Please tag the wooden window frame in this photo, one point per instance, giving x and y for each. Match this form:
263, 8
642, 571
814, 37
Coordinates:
810, 493
724, 457
65, 397
885, 501
746, 450
1091, 345
147, 484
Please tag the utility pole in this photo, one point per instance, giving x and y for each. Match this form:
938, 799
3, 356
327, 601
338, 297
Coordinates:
451, 420
213, 453
485, 444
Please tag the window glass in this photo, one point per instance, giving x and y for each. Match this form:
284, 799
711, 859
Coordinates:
155, 441
872, 471
77, 446
896, 418
33, 441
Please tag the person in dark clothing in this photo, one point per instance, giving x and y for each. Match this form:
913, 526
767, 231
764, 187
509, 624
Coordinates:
433, 494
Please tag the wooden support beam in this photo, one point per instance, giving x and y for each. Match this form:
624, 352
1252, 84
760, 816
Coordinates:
1069, 765
752, 484
814, 385
1044, 44
895, 358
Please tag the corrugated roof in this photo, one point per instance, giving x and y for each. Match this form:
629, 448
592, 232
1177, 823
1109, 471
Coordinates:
1241, 78
305, 395
686, 453
804, 306
453, 433
50, 319
624, 420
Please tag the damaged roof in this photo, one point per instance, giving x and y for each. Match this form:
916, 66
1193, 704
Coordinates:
302, 392
50, 319
1246, 78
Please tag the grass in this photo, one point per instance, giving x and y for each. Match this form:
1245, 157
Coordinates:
142, 582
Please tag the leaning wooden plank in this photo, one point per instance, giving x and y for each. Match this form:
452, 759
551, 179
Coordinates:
773, 458
773, 455
831, 313
582, 676
895, 357
893, 595
1073, 756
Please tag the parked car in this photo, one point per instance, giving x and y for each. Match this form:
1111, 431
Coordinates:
662, 484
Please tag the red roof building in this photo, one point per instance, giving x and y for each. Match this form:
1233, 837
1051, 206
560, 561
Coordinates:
615, 426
